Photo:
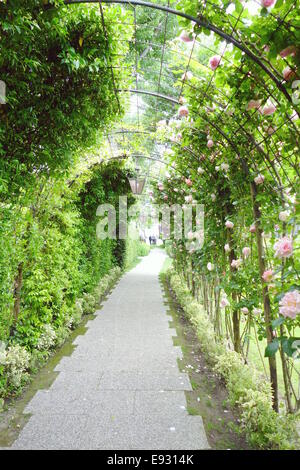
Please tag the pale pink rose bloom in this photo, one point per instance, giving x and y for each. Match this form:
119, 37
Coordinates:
283, 216
283, 248
252, 228
246, 251
210, 266
188, 199
186, 37
224, 167
214, 62
236, 263
259, 179
294, 116
268, 275
290, 50
267, 3
188, 182
253, 104
268, 109
257, 311
244, 310
229, 224
227, 248
288, 73
289, 305
224, 302
210, 143
183, 111
160, 187
165, 197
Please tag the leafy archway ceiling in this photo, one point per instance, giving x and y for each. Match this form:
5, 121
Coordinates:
164, 70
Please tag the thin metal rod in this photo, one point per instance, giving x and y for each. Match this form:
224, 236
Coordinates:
151, 93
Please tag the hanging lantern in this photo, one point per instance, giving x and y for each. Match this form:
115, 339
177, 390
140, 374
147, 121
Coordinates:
136, 183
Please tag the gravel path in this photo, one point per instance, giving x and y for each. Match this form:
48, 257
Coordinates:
121, 388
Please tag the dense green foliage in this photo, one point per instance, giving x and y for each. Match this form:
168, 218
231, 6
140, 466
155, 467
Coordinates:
262, 425
60, 96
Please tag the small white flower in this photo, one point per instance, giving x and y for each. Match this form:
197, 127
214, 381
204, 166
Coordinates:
283, 216
210, 266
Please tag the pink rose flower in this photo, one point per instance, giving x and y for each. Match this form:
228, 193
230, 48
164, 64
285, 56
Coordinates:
224, 302
289, 305
236, 263
283, 248
244, 310
224, 167
257, 311
253, 104
267, 3
290, 50
246, 251
165, 197
188, 182
283, 216
188, 199
185, 37
252, 228
268, 275
288, 73
229, 224
183, 111
259, 179
210, 266
268, 109
210, 143
214, 62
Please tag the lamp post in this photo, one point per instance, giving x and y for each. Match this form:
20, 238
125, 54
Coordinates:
136, 183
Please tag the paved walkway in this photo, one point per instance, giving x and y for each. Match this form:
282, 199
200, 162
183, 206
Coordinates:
121, 388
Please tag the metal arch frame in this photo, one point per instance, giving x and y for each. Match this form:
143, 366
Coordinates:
187, 149
150, 93
217, 128
200, 22
125, 157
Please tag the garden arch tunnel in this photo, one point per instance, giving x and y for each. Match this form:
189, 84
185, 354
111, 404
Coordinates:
260, 143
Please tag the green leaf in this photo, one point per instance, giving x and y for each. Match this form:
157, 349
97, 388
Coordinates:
290, 346
277, 322
272, 348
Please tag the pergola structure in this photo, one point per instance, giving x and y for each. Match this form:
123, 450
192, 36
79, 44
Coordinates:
188, 57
